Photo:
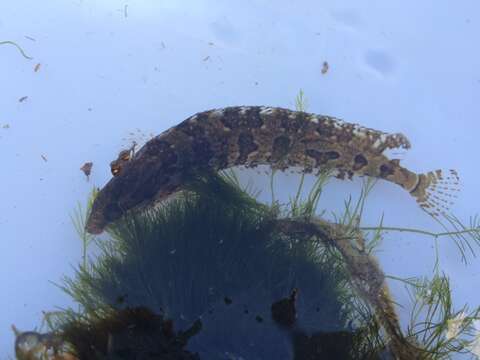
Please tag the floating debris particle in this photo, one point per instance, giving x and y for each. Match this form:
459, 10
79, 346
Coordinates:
325, 67
6, 126
256, 83
37, 67
227, 300
206, 58
89, 109
87, 169
23, 98
44, 158
18, 47
211, 43
284, 311
125, 10
30, 38
259, 318
136, 139
163, 45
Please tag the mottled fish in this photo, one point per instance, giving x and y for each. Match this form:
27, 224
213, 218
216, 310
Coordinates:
255, 135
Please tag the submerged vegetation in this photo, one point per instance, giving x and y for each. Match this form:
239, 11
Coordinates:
214, 274
213, 254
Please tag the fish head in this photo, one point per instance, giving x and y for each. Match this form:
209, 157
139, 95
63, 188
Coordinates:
141, 183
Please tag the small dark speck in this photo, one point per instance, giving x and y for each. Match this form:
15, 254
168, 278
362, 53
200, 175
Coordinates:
44, 158
256, 83
325, 67
227, 300
206, 58
317, 309
6, 126
23, 98
259, 318
121, 298
211, 43
89, 109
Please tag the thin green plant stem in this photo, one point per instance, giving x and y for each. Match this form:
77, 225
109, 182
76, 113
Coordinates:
419, 231
8, 42
300, 105
437, 257
369, 184
301, 102
299, 191
272, 191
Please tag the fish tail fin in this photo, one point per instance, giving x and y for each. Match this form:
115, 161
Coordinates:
436, 191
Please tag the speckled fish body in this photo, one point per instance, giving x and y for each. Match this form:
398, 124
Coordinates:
257, 135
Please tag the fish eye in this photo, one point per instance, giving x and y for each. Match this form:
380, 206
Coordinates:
124, 155
386, 170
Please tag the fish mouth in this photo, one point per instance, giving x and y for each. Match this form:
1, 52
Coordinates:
110, 205
104, 209
112, 201
136, 188
95, 226
97, 220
